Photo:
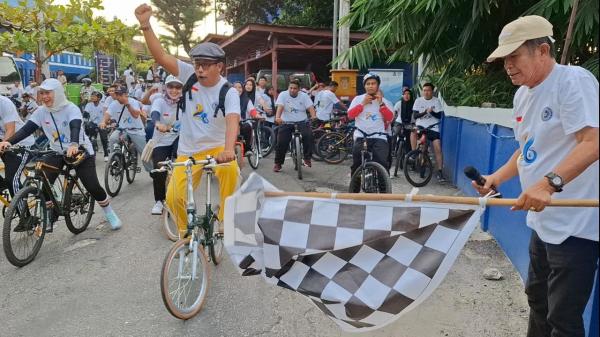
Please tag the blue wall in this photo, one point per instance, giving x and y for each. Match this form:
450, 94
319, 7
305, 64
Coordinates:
487, 148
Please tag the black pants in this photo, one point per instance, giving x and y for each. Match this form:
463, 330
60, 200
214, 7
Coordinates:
13, 168
246, 132
284, 136
159, 179
86, 172
559, 284
378, 147
103, 133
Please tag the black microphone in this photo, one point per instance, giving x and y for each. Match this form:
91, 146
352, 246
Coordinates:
474, 175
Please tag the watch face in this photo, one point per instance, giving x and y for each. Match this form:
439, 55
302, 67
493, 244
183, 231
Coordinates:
557, 181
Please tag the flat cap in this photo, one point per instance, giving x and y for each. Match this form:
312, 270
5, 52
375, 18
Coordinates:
207, 50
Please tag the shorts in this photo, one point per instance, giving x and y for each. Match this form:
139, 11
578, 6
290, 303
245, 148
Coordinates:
432, 135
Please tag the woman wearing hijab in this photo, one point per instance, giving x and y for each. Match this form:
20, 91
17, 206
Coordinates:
247, 110
61, 122
165, 114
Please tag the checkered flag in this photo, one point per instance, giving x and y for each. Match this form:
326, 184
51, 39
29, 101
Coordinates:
363, 263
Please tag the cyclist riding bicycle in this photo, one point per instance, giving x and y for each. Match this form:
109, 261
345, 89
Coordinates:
207, 126
292, 105
61, 122
86, 91
10, 122
325, 100
404, 120
248, 112
126, 112
94, 112
165, 113
371, 112
428, 111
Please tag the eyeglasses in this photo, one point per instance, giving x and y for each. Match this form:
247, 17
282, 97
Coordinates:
204, 65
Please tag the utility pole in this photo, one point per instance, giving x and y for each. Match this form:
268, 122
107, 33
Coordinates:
336, 18
42, 66
344, 36
216, 13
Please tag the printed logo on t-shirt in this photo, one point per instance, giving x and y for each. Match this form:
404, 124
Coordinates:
546, 114
55, 137
64, 124
200, 114
529, 155
372, 116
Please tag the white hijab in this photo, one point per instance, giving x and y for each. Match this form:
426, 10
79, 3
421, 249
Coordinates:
60, 99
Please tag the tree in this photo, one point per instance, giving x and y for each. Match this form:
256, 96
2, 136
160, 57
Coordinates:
41, 25
455, 37
311, 13
180, 18
241, 12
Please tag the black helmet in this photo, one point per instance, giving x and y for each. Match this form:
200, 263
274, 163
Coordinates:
77, 159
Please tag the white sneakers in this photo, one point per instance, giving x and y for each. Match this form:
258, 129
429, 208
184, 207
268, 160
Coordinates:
158, 208
105, 159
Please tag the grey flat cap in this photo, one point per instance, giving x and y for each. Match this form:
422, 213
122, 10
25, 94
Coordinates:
207, 50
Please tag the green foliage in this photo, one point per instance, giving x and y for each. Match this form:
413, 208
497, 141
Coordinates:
453, 36
311, 13
180, 17
477, 86
69, 27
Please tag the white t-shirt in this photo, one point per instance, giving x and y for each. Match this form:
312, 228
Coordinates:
153, 97
17, 91
262, 101
8, 113
149, 75
132, 125
96, 112
200, 129
547, 118
294, 108
370, 119
168, 116
138, 93
107, 102
42, 117
324, 101
421, 104
260, 91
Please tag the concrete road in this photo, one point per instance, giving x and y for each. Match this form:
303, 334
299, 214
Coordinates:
105, 283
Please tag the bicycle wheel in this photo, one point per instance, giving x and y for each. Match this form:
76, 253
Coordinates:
376, 178
131, 164
267, 140
113, 174
24, 226
184, 292
78, 206
317, 134
399, 158
299, 154
169, 225
254, 157
332, 147
217, 246
418, 168
239, 156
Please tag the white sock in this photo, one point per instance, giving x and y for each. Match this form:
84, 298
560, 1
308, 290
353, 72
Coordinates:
107, 209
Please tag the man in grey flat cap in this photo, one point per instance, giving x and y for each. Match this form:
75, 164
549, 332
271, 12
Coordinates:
209, 120
556, 125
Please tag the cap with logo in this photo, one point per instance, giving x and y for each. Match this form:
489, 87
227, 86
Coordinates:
515, 33
207, 50
172, 79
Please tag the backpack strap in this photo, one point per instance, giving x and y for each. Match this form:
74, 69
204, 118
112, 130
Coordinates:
222, 95
187, 89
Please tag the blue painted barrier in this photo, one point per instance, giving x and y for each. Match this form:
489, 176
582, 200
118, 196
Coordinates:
487, 148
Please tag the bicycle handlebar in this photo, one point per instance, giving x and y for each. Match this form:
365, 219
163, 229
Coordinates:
367, 135
167, 165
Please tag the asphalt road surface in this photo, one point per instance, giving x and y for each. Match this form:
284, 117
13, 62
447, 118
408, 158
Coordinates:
105, 283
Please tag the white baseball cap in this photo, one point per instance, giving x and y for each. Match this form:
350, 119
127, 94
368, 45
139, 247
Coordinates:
51, 84
515, 33
172, 79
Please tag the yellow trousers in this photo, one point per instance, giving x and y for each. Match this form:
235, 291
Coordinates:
176, 191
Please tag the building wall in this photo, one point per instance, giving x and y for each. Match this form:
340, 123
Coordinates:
470, 139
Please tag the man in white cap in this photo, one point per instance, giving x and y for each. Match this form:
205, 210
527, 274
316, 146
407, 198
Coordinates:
556, 125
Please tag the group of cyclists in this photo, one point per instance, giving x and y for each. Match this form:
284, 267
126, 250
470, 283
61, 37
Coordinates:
195, 112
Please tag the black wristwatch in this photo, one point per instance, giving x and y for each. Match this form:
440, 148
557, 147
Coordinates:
555, 181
